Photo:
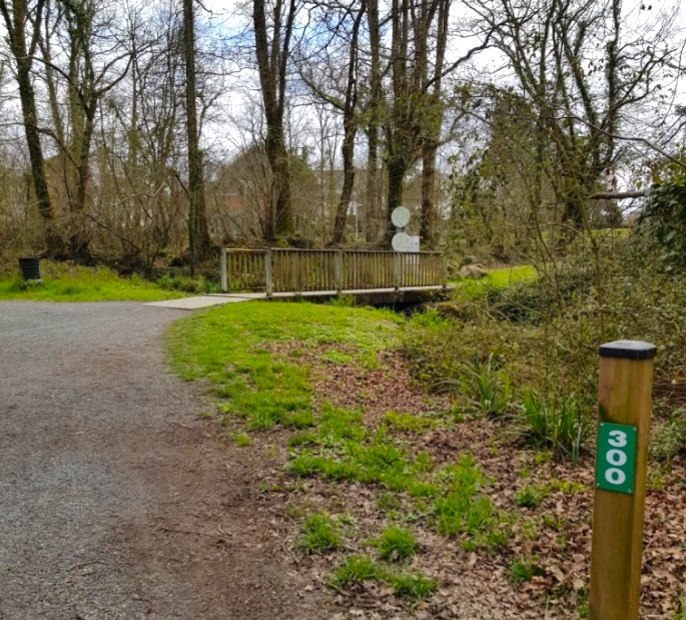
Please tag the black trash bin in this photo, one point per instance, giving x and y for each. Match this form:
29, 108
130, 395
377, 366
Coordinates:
30, 269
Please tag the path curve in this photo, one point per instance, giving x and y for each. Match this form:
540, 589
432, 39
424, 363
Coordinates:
116, 501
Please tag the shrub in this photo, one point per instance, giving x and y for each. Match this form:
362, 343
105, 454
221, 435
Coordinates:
664, 219
669, 437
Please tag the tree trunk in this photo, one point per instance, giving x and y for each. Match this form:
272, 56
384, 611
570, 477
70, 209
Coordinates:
373, 207
15, 24
372, 191
79, 239
272, 57
432, 130
28, 105
397, 168
428, 218
198, 236
348, 149
284, 224
349, 134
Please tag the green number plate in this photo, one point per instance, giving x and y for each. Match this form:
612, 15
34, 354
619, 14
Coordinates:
616, 458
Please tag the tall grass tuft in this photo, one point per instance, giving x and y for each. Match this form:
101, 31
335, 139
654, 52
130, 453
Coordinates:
559, 423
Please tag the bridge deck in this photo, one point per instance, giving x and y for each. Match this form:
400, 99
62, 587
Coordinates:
379, 295
333, 293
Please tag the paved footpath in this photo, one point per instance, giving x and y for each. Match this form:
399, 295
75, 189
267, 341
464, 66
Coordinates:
115, 501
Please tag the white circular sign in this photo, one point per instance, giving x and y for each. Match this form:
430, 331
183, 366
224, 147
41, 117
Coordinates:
401, 242
400, 217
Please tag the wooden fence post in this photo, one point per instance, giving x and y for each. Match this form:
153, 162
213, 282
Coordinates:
444, 260
397, 270
269, 285
225, 283
338, 270
624, 395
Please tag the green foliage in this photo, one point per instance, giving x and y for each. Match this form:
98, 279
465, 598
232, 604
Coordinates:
242, 439
415, 587
494, 280
680, 609
320, 534
337, 357
70, 282
408, 422
524, 303
461, 510
444, 355
559, 423
491, 388
376, 461
226, 345
525, 570
664, 219
354, 571
198, 285
396, 544
343, 301
388, 501
530, 496
357, 569
647, 303
668, 437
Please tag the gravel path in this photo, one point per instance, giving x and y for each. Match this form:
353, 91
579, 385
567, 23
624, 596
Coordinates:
116, 501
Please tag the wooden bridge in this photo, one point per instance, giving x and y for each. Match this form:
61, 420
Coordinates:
276, 272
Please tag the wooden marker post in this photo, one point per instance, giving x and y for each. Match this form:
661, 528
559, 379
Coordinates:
624, 394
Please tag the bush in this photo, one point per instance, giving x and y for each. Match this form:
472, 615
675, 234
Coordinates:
199, 285
664, 220
669, 437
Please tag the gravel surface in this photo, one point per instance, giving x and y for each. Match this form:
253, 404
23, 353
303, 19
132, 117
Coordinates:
116, 501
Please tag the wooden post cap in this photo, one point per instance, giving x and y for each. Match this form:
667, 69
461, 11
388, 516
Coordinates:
628, 350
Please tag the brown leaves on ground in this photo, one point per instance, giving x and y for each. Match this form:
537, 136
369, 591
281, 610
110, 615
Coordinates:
553, 532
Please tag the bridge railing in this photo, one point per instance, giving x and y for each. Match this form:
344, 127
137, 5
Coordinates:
277, 270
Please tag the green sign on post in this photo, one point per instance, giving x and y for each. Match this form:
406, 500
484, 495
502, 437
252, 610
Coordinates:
616, 458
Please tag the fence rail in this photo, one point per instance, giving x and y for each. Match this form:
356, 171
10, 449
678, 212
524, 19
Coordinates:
279, 270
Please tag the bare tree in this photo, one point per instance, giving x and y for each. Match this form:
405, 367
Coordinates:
320, 70
23, 21
273, 25
97, 59
198, 235
581, 73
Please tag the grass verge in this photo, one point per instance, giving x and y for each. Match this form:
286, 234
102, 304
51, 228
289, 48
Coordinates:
469, 289
256, 357
69, 282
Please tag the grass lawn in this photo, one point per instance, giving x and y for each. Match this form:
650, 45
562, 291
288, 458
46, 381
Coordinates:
68, 282
467, 288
